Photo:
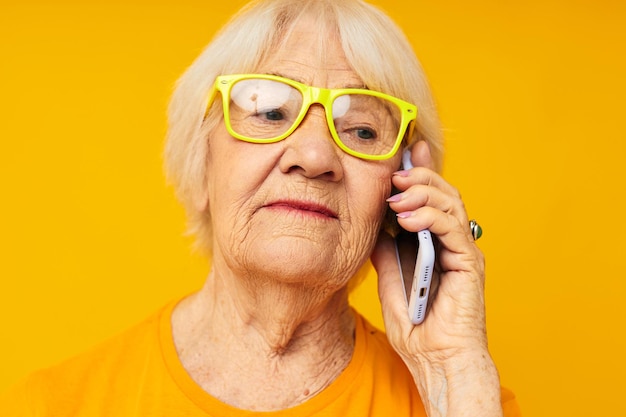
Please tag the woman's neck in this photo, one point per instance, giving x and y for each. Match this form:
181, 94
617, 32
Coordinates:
289, 339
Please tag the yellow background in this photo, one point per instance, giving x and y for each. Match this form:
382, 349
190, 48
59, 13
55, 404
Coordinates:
532, 97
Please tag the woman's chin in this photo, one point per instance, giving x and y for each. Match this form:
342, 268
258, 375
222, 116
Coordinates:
297, 260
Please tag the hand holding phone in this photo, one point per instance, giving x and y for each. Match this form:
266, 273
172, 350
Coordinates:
415, 254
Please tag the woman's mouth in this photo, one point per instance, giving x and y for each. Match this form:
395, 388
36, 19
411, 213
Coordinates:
302, 207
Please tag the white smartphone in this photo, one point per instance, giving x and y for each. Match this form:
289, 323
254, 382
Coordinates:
415, 254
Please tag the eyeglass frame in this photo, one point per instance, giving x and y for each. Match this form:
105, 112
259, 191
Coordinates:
312, 95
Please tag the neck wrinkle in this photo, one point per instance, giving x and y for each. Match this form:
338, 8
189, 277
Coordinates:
274, 319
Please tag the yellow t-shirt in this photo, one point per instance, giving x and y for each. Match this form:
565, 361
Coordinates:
138, 374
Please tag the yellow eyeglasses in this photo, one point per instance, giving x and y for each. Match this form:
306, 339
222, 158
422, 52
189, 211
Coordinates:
262, 108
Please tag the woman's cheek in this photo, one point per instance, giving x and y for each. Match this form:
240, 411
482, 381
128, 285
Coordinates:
368, 210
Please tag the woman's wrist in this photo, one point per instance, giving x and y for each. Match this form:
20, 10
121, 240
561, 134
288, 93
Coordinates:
464, 385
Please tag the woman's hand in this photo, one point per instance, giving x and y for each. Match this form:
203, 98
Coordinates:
447, 353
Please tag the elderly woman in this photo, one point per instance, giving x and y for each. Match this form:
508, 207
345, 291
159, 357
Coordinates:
284, 144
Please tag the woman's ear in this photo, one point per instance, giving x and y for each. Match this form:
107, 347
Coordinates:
420, 155
200, 192
200, 199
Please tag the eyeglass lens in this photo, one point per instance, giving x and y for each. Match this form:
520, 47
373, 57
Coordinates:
266, 109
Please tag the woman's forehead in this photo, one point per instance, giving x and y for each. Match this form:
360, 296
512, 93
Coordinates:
308, 56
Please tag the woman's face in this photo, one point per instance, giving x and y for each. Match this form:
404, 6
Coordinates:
301, 208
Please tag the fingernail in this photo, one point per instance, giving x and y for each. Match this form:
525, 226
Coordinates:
405, 214
403, 173
395, 198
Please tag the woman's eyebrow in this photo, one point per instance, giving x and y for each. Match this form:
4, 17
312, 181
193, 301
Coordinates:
279, 74
301, 81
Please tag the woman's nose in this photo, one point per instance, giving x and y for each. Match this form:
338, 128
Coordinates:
311, 150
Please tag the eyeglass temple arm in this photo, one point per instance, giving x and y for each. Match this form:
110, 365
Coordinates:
210, 99
410, 129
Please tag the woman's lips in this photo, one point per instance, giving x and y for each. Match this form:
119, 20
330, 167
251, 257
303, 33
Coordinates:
302, 206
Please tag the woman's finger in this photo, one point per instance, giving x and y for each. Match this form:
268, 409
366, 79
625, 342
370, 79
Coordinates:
453, 235
402, 180
420, 195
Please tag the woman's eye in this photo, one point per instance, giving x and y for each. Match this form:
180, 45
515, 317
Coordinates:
273, 115
365, 134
